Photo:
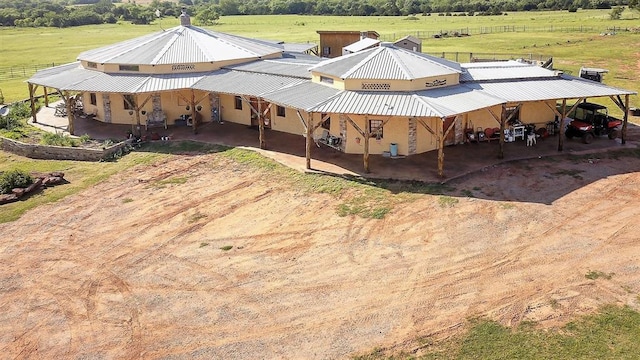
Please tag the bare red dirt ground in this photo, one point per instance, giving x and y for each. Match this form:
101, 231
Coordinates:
130, 269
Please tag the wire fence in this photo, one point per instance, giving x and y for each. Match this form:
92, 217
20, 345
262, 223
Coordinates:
21, 71
503, 29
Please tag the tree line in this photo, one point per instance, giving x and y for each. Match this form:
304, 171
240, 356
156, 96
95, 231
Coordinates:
66, 13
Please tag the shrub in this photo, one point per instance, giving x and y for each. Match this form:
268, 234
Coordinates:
58, 140
14, 179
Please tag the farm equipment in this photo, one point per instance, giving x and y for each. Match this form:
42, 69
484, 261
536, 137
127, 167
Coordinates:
592, 120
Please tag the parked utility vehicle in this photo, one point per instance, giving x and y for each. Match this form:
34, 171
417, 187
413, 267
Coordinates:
591, 120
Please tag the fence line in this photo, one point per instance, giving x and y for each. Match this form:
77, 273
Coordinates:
21, 71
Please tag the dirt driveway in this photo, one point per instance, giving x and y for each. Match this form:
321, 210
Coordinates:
138, 266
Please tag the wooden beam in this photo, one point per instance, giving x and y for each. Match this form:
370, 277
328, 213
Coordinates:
618, 101
625, 120
503, 125
302, 120
46, 96
309, 129
442, 134
564, 114
67, 99
366, 144
32, 90
555, 110
261, 125
322, 120
353, 123
424, 124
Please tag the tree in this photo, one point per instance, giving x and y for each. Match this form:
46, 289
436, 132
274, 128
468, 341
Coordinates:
634, 4
208, 15
616, 12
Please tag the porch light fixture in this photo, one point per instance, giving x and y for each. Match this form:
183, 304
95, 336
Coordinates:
199, 107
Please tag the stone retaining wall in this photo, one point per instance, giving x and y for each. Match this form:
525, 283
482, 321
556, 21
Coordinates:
36, 151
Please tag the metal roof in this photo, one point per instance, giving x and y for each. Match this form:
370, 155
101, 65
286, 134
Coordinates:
560, 87
179, 45
243, 83
387, 62
377, 103
303, 96
501, 70
455, 100
361, 44
284, 67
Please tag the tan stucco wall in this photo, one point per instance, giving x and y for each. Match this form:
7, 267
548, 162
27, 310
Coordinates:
395, 131
177, 68
229, 112
482, 118
426, 141
537, 113
403, 85
290, 123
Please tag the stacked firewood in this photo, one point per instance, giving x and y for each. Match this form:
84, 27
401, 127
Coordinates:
40, 181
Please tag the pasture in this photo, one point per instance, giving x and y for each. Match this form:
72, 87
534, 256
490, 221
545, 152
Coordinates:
573, 39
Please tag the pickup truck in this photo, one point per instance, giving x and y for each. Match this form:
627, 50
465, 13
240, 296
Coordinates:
592, 120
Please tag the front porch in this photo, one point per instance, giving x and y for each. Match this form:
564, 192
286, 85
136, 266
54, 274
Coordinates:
289, 149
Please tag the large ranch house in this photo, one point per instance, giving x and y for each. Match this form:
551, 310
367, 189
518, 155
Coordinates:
376, 101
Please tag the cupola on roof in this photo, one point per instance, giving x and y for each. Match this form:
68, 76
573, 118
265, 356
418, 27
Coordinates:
180, 45
387, 62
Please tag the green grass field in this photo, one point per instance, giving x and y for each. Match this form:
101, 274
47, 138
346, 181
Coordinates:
547, 33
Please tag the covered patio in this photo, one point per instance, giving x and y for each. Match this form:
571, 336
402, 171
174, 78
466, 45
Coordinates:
289, 149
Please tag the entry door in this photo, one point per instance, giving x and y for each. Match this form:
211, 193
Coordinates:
451, 137
266, 118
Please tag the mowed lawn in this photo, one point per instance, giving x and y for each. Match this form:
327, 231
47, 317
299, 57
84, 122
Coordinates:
573, 39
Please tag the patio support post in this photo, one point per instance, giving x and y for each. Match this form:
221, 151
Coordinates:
194, 118
309, 130
503, 122
46, 97
442, 135
625, 120
67, 100
561, 132
261, 124
32, 101
367, 137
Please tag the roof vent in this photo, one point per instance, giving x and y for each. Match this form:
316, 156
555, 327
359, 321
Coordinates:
387, 44
185, 20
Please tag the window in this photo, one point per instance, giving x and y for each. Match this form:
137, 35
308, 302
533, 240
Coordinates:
92, 99
326, 121
129, 102
326, 80
238, 103
92, 65
375, 129
516, 114
129, 68
326, 51
280, 111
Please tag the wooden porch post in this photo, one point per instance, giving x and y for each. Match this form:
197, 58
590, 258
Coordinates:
625, 120
367, 137
561, 132
67, 100
503, 121
440, 139
309, 129
194, 117
261, 124
32, 101
46, 97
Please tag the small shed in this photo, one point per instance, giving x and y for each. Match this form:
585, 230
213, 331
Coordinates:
409, 43
332, 42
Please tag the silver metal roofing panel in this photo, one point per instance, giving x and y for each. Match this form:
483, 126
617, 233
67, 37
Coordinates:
282, 67
243, 83
63, 77
168, 82
502, 71
387, 62
361, 44
457, 100
376, 103
563, 87
302, 96
181, 44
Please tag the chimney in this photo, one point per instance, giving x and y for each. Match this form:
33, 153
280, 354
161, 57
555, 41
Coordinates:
185, 20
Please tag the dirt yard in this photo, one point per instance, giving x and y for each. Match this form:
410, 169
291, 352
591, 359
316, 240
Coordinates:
137, 266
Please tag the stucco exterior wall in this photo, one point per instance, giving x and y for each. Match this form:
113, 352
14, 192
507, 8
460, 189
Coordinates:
290, 123
483, 119
231, 114
426, 141
432, 82
395, 131
537, 113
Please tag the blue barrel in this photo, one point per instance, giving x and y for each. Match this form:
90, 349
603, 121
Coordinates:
393, 149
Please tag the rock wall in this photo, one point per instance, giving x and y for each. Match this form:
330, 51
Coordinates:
36, 151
